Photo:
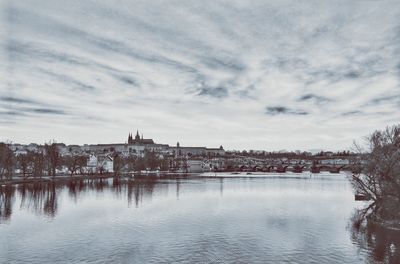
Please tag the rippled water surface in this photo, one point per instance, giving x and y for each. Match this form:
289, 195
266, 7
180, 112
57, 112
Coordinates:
285, 219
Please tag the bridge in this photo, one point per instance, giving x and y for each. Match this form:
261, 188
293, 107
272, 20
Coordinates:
282, 168
252, 164
279, 166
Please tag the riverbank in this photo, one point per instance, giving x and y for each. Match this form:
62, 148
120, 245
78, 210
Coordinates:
19, 179
392, 224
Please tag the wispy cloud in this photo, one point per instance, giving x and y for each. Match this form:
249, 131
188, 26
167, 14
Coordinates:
9, 99
218, 92
351, 113
314, 98
277, 110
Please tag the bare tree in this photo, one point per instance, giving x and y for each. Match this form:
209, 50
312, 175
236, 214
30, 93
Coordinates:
151, 160
101, 169
140, 164
74, 163
52, 157
117, 165
25, 163
379, 178
6, 161
131, 163
38, 162
164, 164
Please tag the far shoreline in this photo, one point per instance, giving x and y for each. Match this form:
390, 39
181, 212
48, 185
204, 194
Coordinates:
19, 179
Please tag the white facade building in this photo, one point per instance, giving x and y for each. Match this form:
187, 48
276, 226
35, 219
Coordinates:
99, 163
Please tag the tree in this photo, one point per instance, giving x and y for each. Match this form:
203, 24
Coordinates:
38, 162
25, 163
151, 160
6, 161
131, 163
379, 178
164, 164
74, 163
52, 157
140, 164
101, 169
117, 165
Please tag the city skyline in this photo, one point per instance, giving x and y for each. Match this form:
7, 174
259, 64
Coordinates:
139, 139
245, 75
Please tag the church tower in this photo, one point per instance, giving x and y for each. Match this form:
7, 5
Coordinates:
137, 137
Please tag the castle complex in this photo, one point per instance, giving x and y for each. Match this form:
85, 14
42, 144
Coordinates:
139, 140
138, 145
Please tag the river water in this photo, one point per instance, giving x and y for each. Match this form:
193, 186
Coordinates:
274, 218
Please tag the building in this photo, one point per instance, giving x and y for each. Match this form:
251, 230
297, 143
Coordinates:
195, 165
139, 140
196, 151
136, 150
137, 146
105, 148
100, 163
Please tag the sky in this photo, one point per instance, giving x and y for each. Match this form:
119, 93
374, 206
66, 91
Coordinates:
262, 75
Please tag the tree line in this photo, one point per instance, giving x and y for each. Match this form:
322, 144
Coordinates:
150, 161
48, 161
30, 164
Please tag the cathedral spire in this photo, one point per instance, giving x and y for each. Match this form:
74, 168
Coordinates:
137, 137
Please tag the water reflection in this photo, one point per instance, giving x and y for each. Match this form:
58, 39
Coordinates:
42, 197
382, 244
6, 202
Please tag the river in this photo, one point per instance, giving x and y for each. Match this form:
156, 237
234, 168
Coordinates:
272, 218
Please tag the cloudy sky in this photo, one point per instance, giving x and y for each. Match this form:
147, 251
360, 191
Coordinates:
245, 74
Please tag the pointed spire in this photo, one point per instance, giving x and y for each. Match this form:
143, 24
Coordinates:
137, 137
